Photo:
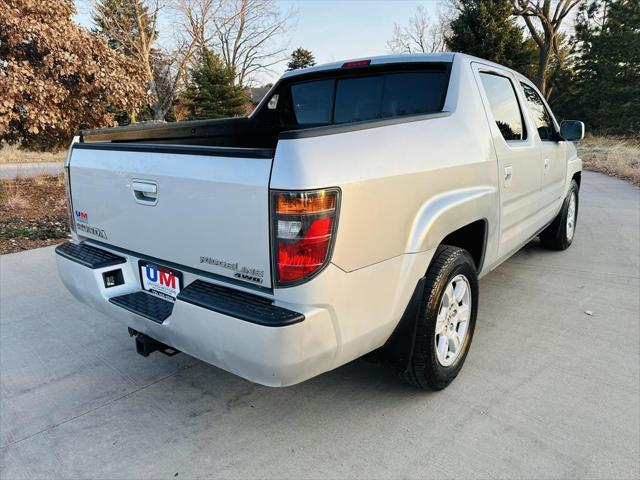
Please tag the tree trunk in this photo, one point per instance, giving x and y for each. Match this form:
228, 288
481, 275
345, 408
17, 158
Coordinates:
156, 103
541, 9
158, 113
543, 64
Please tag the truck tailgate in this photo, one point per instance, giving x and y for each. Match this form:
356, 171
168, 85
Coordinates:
201, 207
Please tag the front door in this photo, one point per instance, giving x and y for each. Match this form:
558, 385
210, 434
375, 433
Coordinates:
553, 150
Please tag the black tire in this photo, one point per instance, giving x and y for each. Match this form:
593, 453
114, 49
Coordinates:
424, 370
555, 236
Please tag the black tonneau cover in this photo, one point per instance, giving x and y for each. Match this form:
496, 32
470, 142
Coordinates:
225, 132
163, 130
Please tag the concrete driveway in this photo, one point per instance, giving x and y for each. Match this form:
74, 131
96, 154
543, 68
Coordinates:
13, 170
548, 391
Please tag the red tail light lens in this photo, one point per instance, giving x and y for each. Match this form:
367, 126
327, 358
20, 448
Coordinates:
304, 225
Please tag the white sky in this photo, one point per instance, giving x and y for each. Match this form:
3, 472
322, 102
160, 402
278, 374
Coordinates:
331, 29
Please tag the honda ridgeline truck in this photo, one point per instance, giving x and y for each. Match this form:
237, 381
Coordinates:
353, 211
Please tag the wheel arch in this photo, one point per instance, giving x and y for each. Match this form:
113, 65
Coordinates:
574, 172
578, 178
462, 218
472, 238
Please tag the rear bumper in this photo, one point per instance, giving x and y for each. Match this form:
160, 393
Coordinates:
274, 353
346, 315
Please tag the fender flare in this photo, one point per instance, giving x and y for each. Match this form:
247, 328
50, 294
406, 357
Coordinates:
574, 165
450, 211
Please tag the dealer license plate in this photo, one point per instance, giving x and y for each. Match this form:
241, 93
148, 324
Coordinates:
162, 281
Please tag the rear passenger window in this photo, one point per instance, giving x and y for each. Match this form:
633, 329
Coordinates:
369, 97
413, 93
358, 99
541, 117
504, 106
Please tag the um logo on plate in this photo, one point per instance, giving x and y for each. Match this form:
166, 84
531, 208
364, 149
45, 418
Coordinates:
165, 278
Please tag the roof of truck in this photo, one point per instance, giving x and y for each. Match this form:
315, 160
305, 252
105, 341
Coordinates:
401, 58
376, 60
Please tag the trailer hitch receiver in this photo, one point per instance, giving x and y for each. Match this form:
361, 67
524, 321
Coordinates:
146, 345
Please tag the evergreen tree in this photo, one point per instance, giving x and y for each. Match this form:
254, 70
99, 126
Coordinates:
486, 29
212, 93
301, 58
606, 90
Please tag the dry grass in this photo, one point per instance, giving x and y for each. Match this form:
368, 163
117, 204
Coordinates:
33, 213
15, 201
12, 154
613, 156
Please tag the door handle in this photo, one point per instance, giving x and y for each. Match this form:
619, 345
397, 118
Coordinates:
145, 192
546, 165
508, 175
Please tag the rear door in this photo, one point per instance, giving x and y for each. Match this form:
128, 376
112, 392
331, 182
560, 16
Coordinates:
519, 159
199, 207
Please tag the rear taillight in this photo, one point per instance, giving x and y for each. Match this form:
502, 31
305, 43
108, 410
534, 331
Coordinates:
304, 226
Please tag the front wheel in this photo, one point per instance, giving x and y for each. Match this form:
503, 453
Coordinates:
559, 235
446, 320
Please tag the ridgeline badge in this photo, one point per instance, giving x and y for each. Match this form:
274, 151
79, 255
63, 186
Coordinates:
244, 273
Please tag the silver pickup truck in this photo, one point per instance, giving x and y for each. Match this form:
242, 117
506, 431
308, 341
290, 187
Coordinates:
353, 211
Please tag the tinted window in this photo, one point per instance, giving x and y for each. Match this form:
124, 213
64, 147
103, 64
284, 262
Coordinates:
358, 99
413, 93
369, 97
313, 102
539, 114
504, 106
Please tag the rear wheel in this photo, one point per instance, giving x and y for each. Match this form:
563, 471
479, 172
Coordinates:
446, 320
559, 235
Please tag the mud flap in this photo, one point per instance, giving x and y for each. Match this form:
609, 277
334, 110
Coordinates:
398, 350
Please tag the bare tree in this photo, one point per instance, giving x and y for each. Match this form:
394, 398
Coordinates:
420, 35
550, 15
245, 33
169, 71
198, 20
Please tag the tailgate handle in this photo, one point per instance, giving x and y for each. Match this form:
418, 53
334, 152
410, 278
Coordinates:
145, 192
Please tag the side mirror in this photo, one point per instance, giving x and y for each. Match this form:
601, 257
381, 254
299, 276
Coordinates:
572, 130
